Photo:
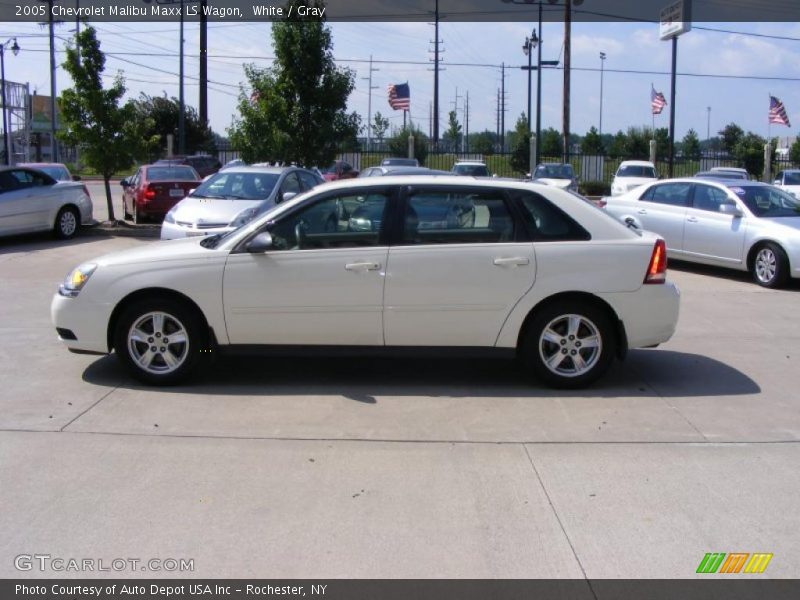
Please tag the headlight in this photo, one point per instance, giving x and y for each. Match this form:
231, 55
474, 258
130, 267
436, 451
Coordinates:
75, 281
244, 217
170, 216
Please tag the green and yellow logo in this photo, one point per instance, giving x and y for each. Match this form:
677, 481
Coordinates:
735, 562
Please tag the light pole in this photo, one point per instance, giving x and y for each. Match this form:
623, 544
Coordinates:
15, 50
527, 48
602, 63
708, 127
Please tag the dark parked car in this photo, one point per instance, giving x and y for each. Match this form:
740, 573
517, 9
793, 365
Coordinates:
339, 169
394, 170
154, 189
204, 164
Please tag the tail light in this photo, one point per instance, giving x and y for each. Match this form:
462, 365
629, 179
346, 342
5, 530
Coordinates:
149, 193
657, 269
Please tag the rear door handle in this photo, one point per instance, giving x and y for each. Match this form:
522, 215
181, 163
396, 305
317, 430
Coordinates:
362, 266
642, 211
515, 261
692, 219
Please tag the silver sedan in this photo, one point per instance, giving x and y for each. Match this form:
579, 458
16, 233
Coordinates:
744, 225
31, 200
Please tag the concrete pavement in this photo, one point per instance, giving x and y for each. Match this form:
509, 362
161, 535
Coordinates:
403, 468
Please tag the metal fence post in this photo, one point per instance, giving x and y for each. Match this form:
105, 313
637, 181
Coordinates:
767, 162
410, 146
653, 151
532, 159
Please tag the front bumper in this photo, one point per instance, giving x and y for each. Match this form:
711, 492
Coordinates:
173, 231
87, 321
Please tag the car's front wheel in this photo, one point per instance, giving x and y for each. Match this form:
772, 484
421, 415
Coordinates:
67, 222
770, 266
569, 344
160, 340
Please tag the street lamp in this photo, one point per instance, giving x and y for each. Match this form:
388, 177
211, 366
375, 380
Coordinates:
527, 48
15, 50
602, 64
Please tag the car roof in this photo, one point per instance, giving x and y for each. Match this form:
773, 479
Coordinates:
449, 179
263, 169
553, 164
636, 163
470, 162
40, 164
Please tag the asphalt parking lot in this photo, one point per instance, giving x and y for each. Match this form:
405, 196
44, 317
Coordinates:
404, 468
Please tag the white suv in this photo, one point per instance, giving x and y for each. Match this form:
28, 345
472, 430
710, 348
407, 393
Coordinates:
631, 174
412, 264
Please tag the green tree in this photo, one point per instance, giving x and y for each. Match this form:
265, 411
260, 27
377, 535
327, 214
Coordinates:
794, 151
637, 143
163, 112
691, 145
731, 135
661, 137
398, 144
295, 111
591, 143
616, 148
552, 145
453, 133
521, 146
749, 151
379, 125
482, 142
111, 137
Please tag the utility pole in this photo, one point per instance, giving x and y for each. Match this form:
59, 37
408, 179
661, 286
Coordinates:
602, 65
567, 66
455, 110
436, 51
50, 24
498, 119
430, 119
503, 106
466, 124
203, 93
672, 107
369, 103
708, 125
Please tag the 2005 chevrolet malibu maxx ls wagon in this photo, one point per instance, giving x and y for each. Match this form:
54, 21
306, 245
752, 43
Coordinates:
400, 264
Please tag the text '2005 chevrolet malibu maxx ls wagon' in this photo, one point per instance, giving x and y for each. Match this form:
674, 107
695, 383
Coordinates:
401, 264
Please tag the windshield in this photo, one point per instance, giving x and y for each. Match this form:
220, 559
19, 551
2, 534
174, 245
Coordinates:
475, 170
637, 171
57, 172
553, 172
171, 174
790, 178
768, 201
237, 186
399, 162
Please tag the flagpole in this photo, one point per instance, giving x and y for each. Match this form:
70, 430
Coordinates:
769, 120
405, 112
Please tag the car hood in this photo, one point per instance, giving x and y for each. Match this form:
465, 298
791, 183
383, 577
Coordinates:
211, 211
161, 251
556, 182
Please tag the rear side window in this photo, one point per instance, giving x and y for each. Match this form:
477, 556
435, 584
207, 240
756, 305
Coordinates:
547, 222
673, 194
444, 217
307, 179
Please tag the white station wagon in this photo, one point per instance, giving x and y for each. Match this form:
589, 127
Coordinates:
406, 264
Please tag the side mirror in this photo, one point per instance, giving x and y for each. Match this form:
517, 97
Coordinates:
287, 196
728, 208
76, 178
191, 191
125, 183
261, 243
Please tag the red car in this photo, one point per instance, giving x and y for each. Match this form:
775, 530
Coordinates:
339, 169
154, 189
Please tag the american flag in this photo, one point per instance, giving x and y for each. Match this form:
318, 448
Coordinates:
777, 112
657, 101
399, 96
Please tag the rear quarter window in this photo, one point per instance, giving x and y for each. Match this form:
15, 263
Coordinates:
547, 222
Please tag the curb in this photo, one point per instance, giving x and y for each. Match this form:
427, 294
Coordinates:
123, 229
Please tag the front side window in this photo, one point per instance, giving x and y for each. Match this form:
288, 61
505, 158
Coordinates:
308, 180
291, 184
348, 221
443, 217
673, 194
709, 198
547, 222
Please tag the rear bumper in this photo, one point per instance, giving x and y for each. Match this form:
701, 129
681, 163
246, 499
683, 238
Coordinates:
649, 315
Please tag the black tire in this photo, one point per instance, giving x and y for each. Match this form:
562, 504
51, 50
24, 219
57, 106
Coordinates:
68, 221
770, 268
583, 321
179, 320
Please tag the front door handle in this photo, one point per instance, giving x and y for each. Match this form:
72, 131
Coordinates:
642, 211
692, 219
362, 266
516, 261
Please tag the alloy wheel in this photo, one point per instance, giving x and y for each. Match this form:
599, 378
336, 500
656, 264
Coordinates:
570, 345
158, 343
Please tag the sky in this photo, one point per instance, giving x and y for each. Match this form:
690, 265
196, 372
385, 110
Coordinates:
147, 56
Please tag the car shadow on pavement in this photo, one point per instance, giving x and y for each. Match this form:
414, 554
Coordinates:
31, 242
644, 373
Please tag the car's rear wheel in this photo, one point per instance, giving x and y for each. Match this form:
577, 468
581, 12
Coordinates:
160, 340
569, 344
67, 222
770, 266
